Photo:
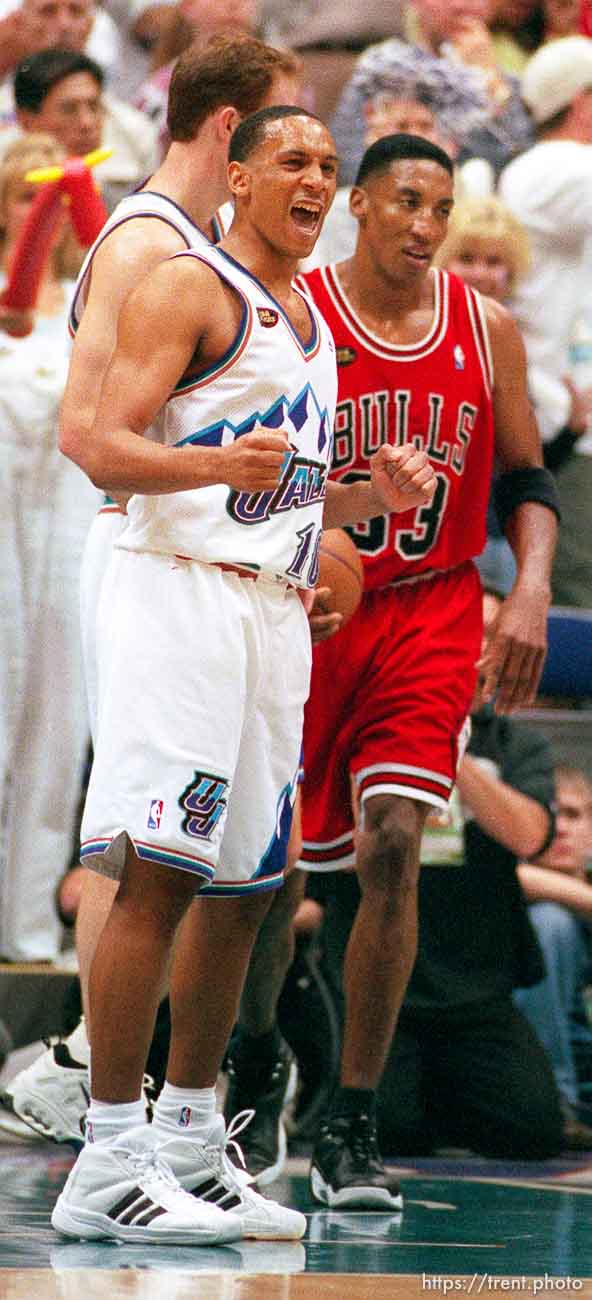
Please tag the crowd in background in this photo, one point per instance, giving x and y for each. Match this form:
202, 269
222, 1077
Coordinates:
505, 86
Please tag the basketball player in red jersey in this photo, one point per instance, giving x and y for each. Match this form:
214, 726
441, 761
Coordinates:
421, 357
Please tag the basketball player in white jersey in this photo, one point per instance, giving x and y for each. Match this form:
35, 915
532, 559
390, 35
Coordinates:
204, 663
211, 90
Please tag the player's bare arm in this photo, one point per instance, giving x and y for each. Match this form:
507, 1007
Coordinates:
512, 665
126, 255
401, 479
180, 313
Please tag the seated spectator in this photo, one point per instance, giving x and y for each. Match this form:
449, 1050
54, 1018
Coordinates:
61, 92
443, 37
139, 24
463, 1058
549, 188
562, 18
516, 28
27, 26
329, 37
46, 509
187, 21
487, 246
559, 895
519, 27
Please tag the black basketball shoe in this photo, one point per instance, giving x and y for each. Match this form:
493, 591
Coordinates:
263, 1142
347, 1169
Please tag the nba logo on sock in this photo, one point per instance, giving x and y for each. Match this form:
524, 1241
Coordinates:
185, 1117
155, 814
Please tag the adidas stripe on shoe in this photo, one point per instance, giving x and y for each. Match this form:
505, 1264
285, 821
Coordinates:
125, 1190
204, 1168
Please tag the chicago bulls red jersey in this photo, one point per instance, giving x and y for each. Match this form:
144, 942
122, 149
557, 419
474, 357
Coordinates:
436, 393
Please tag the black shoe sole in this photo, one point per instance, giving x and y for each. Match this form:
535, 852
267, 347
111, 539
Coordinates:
352, 1198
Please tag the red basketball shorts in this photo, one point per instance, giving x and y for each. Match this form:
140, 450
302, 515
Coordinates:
388, 707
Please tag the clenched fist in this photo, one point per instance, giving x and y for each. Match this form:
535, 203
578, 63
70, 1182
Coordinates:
254, 462
402, 477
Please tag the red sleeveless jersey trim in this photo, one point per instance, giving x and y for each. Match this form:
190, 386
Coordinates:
380, 347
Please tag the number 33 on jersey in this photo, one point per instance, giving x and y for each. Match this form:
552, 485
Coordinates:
435, 392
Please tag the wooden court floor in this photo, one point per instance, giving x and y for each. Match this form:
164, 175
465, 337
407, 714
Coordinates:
474, 1229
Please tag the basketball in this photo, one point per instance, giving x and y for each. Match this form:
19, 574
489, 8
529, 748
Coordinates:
341, 569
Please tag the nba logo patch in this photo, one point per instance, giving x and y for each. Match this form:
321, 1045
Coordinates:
268, 317
155, 814
185, 1117
459, 357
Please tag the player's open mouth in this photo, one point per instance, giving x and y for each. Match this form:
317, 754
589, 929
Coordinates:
306, 216
417, 255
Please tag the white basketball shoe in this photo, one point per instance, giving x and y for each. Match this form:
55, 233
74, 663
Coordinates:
125, 1190
51, 1095
204, 1168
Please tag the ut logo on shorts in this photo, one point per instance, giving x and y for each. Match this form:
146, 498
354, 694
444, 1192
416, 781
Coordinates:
204, 801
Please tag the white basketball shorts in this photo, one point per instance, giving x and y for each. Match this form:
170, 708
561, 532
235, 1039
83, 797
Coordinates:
202, 679
107, 525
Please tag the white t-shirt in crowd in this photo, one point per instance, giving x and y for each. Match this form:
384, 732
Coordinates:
549, 188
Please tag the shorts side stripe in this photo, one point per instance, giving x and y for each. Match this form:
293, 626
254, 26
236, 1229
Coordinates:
334, 853
226, 888
152, 853
403, 771
421, 793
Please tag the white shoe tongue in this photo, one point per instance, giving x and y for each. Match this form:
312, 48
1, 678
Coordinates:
140, 1138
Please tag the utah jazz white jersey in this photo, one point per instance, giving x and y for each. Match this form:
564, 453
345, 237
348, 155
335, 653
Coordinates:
269, 377
144, 203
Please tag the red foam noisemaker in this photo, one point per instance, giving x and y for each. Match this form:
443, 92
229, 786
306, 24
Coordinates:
73, 185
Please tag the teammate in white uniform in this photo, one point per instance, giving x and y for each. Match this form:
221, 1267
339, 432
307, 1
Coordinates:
210, 92
110, 520
233, 782
195, 620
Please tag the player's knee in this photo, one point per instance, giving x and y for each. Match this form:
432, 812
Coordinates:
391, 844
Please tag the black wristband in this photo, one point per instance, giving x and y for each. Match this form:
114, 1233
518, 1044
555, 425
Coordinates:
533, 483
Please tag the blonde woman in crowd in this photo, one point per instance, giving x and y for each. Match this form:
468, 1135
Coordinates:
45, 511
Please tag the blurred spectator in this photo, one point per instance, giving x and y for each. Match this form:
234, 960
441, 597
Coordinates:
550, 189
519, 27
188, 21
488, 247
434, 101
560, 898
40, 24
463, 1059
47, 506
516, 28
61, 92
329, 37
440, 33
139, 24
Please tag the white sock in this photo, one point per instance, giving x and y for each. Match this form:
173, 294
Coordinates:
184, 1110
78, 1044
106, 1120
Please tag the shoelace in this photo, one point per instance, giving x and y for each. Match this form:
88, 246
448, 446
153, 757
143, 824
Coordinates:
151, 1163
238, 1178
